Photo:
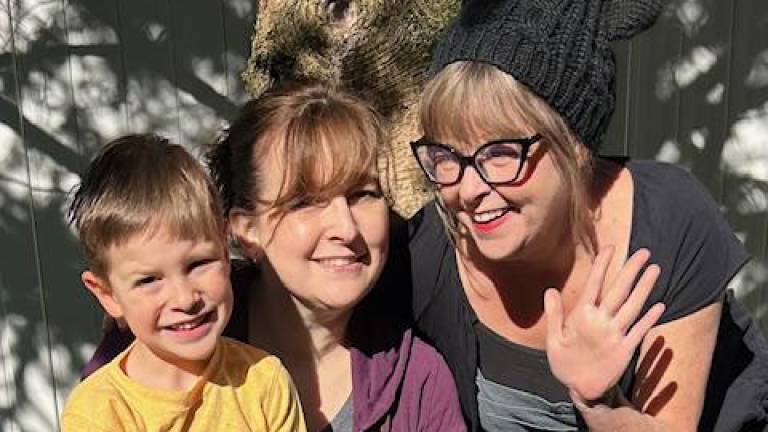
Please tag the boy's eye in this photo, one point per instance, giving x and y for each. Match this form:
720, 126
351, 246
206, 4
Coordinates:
146, 280
200, 263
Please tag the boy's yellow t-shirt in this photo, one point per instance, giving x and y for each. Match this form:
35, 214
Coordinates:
242, 389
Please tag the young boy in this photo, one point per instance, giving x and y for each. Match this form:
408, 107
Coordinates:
154, 237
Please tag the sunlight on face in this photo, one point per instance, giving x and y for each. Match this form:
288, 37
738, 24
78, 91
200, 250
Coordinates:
174, 294
327, 254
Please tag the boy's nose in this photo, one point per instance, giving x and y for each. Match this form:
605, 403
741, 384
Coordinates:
187, 298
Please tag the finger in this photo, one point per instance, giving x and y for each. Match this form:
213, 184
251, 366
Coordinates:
596, 276
553, 309
640, 329
622, 285
628, 312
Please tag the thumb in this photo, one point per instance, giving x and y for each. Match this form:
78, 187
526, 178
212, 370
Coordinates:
553, 309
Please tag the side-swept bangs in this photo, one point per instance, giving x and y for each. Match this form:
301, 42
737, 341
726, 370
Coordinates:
468, 100
327, 142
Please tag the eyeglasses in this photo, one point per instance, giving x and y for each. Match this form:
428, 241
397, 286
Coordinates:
496, 162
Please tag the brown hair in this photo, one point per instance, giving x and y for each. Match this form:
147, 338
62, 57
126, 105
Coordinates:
468, 98
139, 183
329, 141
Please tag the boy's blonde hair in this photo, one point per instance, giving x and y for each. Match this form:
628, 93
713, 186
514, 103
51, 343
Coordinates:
137, 184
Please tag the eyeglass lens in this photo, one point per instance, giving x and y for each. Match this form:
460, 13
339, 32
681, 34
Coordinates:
496, 163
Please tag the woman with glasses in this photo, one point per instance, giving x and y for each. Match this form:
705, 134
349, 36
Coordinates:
565, 290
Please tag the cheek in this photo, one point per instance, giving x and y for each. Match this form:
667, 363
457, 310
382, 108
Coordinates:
449, 195
290, 239
374, 227
219, 284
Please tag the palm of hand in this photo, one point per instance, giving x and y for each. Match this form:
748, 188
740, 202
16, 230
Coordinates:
590, 348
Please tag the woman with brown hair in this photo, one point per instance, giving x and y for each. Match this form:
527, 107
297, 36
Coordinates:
298, 177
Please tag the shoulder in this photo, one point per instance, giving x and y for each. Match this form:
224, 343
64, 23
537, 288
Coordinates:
425, 354
426, 362
667, 187
96, 386
243, 363
437, 390
93, 398
671, 208
676, 218
240, 356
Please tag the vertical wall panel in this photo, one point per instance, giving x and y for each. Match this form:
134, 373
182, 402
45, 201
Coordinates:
745, 154
654, 100
700, 76
200, 67
98, 75
146, 34
17, 310
29, 393
238, 18
48, 101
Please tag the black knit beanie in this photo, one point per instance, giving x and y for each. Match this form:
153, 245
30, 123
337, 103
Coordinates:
558, 48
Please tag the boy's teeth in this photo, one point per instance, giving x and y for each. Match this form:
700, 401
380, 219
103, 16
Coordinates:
488, 216
190, 325
187, 326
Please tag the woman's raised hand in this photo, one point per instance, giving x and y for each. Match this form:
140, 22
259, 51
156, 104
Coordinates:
590, 348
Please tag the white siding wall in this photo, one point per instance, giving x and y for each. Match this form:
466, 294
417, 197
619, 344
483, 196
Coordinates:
73, 75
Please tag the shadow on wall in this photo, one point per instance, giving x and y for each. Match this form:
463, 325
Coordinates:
74, 75
694, 92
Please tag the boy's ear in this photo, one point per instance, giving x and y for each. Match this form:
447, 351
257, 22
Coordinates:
101, 290
245, 231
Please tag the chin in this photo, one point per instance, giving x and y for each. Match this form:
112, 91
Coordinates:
497, 249
345, 298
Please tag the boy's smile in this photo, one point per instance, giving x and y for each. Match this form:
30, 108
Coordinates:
175, 296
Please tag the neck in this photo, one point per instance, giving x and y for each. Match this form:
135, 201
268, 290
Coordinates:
310, 343
520, 283
292, 330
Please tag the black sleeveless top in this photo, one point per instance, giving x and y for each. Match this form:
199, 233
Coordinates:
673, 216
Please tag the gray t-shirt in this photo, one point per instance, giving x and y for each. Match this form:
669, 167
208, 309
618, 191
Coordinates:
343, 421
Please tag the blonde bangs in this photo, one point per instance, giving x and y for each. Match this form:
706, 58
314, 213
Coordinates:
154, 212
467, 100
328, 148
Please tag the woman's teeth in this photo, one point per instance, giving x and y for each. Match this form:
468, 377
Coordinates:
338, 262
488, 216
